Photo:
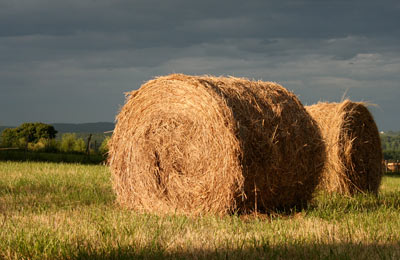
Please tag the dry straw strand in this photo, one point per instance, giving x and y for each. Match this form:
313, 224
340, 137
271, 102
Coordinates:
200, 144
354, 154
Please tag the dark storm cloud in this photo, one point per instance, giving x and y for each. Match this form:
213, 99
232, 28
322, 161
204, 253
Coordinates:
200, 18
78, 57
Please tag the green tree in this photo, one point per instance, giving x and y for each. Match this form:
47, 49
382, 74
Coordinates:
51, 145
9, 137
33, 132
104, 145
44, 131
391, 155
79, 145
22, 143
27, 133
68, 141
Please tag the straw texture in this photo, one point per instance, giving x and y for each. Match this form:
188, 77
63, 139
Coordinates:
199, 144
354, 154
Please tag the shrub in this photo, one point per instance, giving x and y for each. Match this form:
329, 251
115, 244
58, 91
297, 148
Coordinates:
103, 149
68, 141
80, 146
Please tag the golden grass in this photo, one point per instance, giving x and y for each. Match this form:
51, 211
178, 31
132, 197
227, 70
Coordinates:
61, 211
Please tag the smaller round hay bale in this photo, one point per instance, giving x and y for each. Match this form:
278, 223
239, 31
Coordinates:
354, 154
198, 144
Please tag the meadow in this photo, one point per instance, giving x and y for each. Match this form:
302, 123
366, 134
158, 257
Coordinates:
68, 211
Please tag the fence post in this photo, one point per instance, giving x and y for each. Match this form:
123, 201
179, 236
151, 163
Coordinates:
88, 145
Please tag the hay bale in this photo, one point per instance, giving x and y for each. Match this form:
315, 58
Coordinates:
199, 144
354, 155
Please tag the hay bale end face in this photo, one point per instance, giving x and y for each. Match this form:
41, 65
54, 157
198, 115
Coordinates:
354, 154
197, 144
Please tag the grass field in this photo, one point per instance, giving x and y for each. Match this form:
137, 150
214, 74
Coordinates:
68, 211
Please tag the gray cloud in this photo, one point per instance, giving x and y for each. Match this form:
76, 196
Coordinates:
71, 61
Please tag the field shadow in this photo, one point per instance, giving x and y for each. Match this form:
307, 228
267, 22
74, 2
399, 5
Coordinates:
29, 156
263, 251
336, 205
392, 174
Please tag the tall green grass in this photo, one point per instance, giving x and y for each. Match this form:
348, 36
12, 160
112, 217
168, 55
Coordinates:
68, 211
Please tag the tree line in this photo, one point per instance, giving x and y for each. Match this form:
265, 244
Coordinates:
40, 137
391, 145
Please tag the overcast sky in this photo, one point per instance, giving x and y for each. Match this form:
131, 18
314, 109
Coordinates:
71, 61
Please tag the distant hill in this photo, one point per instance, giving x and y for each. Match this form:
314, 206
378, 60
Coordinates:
390, 133
99, 127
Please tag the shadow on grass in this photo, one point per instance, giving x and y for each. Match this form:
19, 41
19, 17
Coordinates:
334, 206
263, 251
23, 156
393, 174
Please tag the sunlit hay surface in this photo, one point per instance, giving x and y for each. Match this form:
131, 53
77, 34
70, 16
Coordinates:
354, 155
198, 144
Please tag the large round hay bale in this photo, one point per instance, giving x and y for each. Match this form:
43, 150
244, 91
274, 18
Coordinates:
197, 144
354, 154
